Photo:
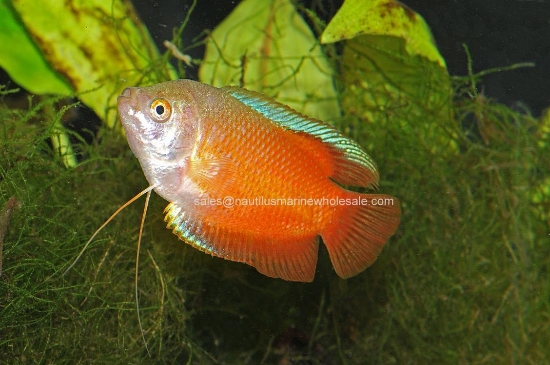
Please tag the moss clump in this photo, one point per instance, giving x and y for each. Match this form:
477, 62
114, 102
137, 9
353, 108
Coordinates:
89, 314
465, 280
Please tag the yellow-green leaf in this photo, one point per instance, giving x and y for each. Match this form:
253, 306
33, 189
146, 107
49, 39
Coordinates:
383, 17
383, 83
23, 60
266, 46
99, 46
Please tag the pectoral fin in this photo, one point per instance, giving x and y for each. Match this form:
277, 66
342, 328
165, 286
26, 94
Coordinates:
213, 175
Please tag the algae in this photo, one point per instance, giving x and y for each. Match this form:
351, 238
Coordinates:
465, 279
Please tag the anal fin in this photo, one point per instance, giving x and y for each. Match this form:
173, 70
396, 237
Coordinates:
289, 258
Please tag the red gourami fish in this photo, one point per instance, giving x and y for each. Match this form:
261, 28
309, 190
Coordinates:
251, 180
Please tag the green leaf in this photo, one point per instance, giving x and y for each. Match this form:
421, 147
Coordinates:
266, 46
392, 72
383, 83
23, 60
383, 17
99, 46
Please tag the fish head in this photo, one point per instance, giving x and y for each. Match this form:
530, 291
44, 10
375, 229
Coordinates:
161, 124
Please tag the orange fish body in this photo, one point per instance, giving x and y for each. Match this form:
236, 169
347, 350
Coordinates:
251, 180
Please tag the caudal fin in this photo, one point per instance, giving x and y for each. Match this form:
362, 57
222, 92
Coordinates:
359, 232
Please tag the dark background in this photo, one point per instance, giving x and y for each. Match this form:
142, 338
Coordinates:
497, 32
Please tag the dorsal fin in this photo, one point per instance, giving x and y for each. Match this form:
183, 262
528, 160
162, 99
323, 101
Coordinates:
352, 165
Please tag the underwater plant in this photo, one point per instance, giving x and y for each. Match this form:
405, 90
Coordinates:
464, 279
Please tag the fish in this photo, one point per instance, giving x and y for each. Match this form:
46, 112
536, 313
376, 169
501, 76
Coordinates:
251, 180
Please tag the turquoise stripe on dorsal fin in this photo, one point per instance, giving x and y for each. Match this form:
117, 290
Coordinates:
353, 166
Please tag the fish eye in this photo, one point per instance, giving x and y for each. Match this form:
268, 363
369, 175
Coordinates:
160, 110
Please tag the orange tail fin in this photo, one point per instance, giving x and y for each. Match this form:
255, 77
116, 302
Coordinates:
355, 238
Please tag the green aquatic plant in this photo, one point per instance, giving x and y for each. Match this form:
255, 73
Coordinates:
465, 279
90, 312
390, 61
27, 66
90, 49
94, 48
383, 18
266, 46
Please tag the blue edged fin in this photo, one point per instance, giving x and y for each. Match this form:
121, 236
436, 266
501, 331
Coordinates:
187, 229
352, 165
288, 258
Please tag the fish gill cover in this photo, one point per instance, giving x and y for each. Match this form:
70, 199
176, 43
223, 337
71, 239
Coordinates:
465, 279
